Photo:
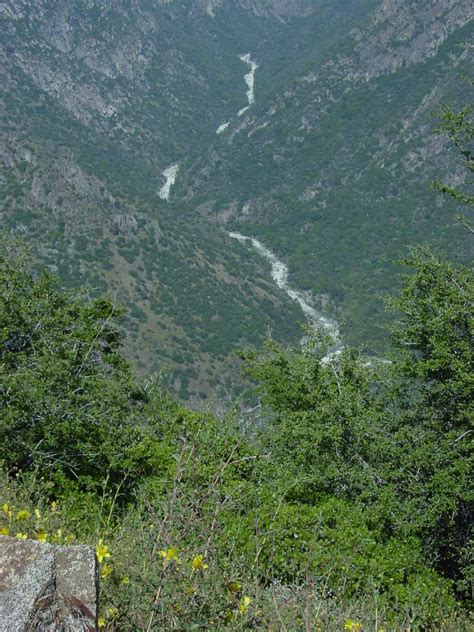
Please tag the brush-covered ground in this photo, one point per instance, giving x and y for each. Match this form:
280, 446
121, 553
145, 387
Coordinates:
347, 504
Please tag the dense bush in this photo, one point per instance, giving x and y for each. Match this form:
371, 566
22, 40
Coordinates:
71, 408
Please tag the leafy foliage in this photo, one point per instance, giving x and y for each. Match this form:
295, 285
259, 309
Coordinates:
395, 438
459, 128
435, 430
348, 504
71, 405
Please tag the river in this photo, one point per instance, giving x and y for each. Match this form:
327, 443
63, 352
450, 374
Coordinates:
249, 79
279, 274
170, 174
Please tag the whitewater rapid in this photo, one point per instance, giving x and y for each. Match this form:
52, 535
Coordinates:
170, 173
249, 79
222, 127
280, 276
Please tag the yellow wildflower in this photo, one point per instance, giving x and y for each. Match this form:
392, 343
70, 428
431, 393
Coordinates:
198, 563
234, 587
101, 622
170, 555
38, 514
102, 551
6, 508
42, 536
57, 536
244, 604
125, 580
229, 615
54, 505
4, 531
23, 514
352, 626
105, 571
21, 536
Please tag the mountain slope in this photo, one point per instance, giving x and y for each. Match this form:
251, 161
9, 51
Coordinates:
99, 99
328, 163
334, 170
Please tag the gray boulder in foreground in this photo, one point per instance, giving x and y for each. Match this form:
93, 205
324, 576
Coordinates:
45, 587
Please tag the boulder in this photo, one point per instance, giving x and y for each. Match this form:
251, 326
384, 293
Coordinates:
45, 587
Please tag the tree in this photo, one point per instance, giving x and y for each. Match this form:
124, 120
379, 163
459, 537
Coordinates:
431, 462
458, 126
322, 408
70, 404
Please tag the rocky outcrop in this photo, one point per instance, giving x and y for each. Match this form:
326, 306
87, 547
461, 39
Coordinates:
402, 33
125, 224
45, 587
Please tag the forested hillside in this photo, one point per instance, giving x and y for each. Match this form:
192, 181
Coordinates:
328, 163
99, 100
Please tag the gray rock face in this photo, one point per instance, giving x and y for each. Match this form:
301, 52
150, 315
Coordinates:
45, 587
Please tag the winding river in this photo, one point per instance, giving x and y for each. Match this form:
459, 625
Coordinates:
280, 276
249, 79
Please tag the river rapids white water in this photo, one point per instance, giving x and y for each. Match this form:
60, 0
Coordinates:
170, 174
249, 79
280, 276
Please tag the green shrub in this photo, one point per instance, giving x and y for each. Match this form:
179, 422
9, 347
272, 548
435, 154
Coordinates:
72, 408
